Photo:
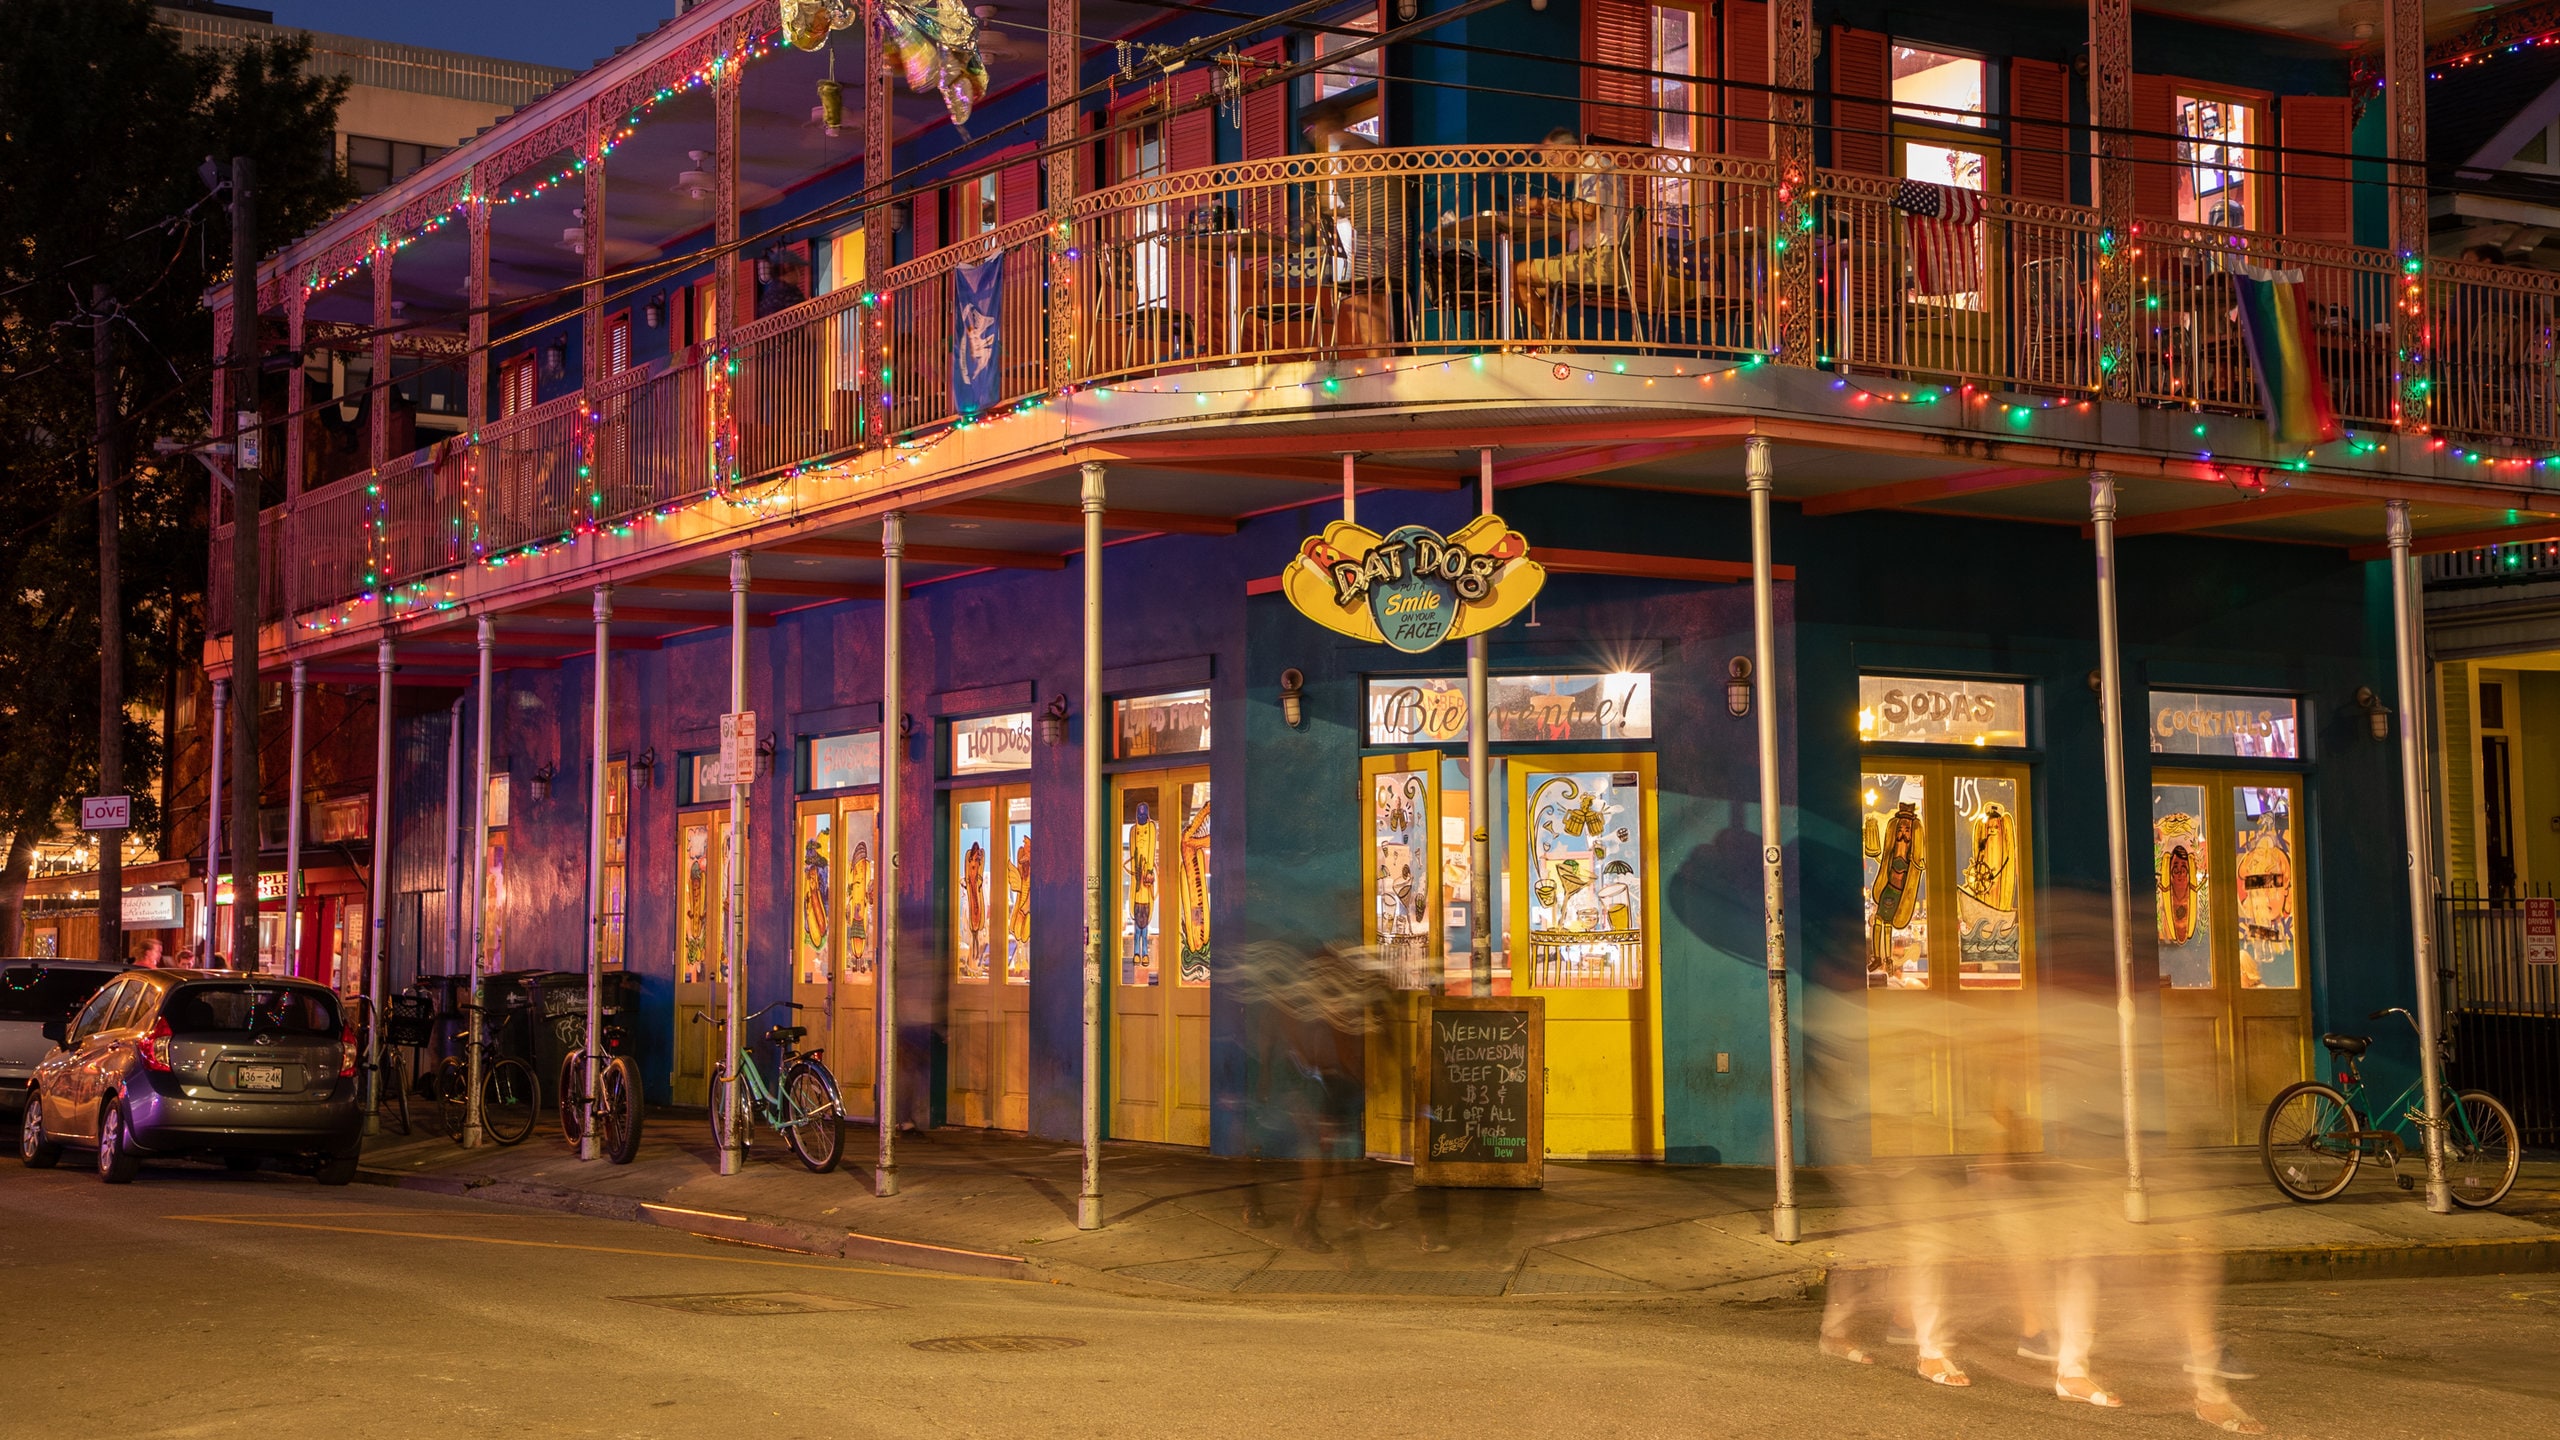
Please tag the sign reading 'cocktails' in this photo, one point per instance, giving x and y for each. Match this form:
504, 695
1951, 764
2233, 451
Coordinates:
1414, 588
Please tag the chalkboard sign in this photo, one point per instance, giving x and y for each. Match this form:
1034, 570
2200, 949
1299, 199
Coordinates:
1480, 1116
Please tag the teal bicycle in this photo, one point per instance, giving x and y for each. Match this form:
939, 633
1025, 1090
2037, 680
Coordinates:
806, 1110
2315, 1135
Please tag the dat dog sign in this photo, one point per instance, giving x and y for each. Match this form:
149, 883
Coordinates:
1414, 588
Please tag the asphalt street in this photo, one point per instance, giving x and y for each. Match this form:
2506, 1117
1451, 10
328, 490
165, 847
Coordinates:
196, 1303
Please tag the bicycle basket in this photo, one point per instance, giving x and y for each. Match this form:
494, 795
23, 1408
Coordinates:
409, 1020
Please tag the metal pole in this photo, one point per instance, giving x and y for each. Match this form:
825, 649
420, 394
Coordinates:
293, 831
1089, 1198
1759, 477
1350, 489
893, 748
1480, 886
102, 368
246, 610
453, 837
378, 953
600, 736
2406, 638
472, 1134
2102, 518
733, 979
213, 820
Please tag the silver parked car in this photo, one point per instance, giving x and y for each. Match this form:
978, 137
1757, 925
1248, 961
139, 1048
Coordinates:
33, 991
181, 1063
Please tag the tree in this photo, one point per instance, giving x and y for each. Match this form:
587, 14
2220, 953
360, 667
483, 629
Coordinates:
104, 121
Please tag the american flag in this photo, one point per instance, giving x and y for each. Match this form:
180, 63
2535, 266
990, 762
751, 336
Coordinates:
1946, 246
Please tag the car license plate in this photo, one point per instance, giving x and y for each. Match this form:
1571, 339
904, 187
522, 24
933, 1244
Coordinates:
258, 1077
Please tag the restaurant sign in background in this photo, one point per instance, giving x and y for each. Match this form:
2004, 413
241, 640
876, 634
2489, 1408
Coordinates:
1413, 588
1432, 709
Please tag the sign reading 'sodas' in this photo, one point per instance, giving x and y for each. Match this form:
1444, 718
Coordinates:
1414, 588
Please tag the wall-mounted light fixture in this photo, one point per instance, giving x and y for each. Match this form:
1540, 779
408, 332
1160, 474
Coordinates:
654, 314
1053, 722
555, 360
1737, 686
764, 268
2376, 714
644, 768
540, 789
906, 727
1293, 697
766, 748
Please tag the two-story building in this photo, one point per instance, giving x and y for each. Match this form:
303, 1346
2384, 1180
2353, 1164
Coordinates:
795, 358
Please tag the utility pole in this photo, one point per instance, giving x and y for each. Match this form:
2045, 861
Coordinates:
102, 368
245, 610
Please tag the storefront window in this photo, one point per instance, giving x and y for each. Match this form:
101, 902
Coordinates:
617, 861
1017, 890
816, 932
1897, 891
1586, 890
838, 762
1175, 723
2263, 861
1990, 948
2182, 871
1401, 824
1908, 710
859, 836
973, 834
2248, 727
1432, 710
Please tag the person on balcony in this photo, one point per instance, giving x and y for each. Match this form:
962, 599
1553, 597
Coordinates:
1591, 221
1365, 220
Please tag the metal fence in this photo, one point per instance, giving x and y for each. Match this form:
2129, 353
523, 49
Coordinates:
2505, 1010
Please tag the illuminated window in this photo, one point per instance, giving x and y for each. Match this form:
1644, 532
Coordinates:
1355, 78
2216, 183
1676, 50
1937, 87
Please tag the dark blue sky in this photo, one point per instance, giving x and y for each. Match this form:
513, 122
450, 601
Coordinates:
571, 33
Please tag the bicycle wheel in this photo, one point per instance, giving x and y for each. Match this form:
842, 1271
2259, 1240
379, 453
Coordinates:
510, 1101
816, 1126
618, 1109
723, 1111
573, 1096
2308, 1141
452, 1087
2481, 1155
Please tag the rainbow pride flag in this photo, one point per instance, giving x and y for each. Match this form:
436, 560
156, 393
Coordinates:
2275, 315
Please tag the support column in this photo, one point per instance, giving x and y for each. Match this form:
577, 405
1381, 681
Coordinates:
2408, 644
2111, 120
377, 400
473, 1136
1481, 890
297, 302
1350, 488
2404, 56
2102, 517
293, 829
879, 163
1089, 1198
733, 979
893, 755
377, 953
213, 821
1791, 133
600, 736
1759, 476
475, 288
724, 189
591, 297
1066, 25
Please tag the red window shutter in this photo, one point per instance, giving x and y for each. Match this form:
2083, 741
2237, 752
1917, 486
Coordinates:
1266, 111
924, 212
1017, 185
1089, 168
2155, 150
1746, 58
1617, 105
2319, 203
1861, 91
2040, 160
1190, 137
617, 343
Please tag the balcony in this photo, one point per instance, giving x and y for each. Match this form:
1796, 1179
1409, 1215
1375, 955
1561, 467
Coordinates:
1402, 258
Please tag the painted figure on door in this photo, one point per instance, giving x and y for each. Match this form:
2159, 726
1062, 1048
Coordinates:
1585, 911
1897, 866
1398, 807
2264, 868
817, 904
1017, 910
857, 912
1194, 926
1140, 866
2179, 862
697, 903
973, 903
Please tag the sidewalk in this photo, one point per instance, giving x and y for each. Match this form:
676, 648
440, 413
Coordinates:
1177, 1222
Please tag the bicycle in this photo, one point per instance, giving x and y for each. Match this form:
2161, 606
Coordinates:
2315, 1136
808, 1110
617, 1099
510, 1096
407, 1021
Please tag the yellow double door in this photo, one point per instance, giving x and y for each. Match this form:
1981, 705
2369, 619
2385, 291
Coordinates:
702, 949
1952, 1032
1579, 899
835, 937
989, 949
1159, 919
2235, 996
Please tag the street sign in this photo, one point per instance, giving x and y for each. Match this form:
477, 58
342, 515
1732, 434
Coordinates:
737, 747
106, 812
249, 439
2542, 932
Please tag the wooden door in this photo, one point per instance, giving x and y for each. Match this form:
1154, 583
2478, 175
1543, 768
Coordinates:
990, 949
1160, 957
2235, 997
1399, 800
1952, 1041
855, 1021
1585, 927
817, 864
702, 948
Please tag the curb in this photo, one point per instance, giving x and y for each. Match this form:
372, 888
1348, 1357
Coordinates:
2420, 1260
765, 1232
